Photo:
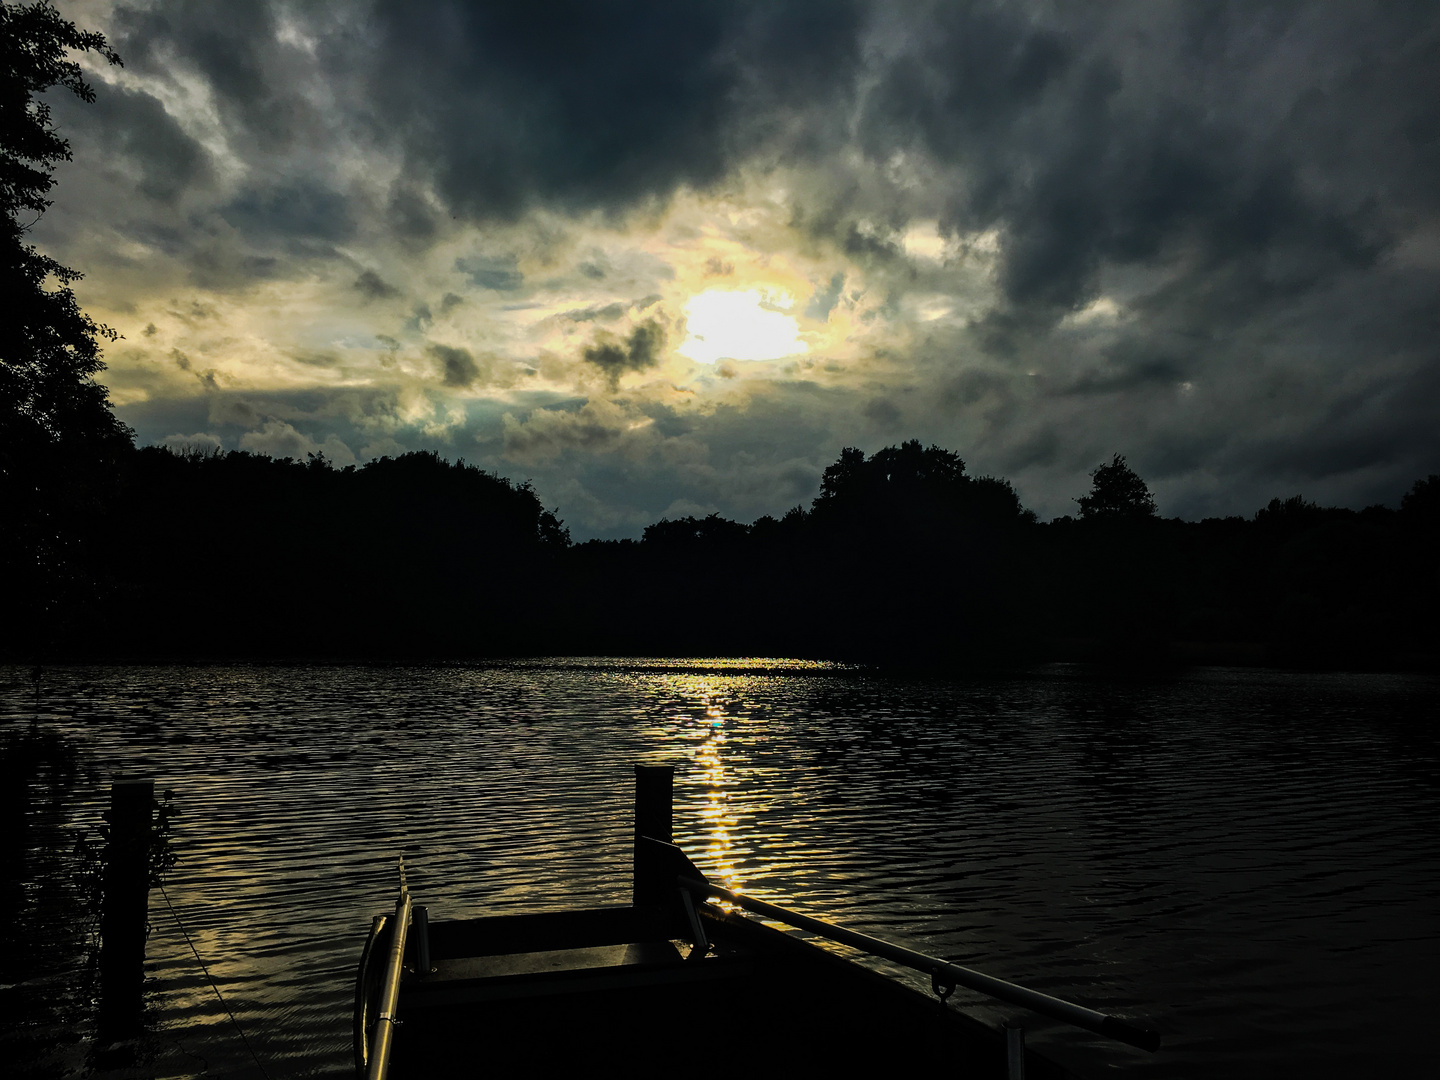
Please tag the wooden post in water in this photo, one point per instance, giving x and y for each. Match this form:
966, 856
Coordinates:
654, 785
126, 909
15, 813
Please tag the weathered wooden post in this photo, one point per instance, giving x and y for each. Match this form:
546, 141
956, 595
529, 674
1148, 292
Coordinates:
1014, 1050
15, 813
654, 785
125, 912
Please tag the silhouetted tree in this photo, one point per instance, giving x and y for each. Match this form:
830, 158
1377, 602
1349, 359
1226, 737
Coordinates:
58, 438
407, 555
48, 347
909, 487
1283, 519
711, 531
916, 556
896, 474
1420, 507
1116, 492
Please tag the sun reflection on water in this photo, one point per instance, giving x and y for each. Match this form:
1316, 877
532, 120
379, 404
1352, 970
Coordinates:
703, 724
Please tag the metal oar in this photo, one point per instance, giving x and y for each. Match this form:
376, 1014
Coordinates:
941, 970
379, 1063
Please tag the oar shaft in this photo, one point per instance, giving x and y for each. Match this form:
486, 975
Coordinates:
390, 992
1079, 1015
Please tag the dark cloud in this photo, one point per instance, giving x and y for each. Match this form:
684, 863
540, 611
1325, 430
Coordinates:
460, 369
968, 76
317, 358
256, 78
205, 377
373, 287
1038, 448
641, 350
1387, 427
233, 412
293, 211
608, 313
506, 104
499, 274
1087, 152
1115, 378
1086, 137
411, 217
971, 386
882, 412
865, 243
135, 127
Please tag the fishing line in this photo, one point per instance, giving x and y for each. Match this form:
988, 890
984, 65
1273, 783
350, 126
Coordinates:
213, 985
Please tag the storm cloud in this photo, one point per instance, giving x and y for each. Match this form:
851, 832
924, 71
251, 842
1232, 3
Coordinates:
641, 350
1203, 235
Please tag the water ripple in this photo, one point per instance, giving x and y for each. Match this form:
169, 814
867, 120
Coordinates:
1248, 858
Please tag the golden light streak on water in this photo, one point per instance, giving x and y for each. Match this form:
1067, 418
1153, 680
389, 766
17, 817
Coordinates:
704, 725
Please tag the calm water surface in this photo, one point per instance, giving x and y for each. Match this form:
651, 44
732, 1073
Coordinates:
1250, 859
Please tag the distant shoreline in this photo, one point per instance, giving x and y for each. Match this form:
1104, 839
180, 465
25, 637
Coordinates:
1109, 656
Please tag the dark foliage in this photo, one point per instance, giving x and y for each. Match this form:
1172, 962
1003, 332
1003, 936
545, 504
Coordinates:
1420, 509
233, 554
688, 532
903, 558
907, 489
59, 441
1117, 492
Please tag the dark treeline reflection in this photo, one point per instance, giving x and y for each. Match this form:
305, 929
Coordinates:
902, 557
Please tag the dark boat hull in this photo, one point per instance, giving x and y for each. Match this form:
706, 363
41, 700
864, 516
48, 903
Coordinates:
613, 988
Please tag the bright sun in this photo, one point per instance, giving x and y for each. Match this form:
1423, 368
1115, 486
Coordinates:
739, 325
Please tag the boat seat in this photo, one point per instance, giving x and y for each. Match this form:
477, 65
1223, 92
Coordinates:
554, 961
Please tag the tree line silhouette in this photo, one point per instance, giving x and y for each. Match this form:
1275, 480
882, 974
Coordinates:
902, 558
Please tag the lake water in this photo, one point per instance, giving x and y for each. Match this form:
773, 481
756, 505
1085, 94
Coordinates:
1250, 859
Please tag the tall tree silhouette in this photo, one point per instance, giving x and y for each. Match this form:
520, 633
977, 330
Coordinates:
915, 554
58, 437
911, 487
1117, 492
1420, 507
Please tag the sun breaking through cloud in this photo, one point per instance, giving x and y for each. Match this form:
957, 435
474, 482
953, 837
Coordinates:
742, 325
673, 258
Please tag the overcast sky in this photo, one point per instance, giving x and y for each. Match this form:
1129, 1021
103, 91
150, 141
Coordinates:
669, 258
